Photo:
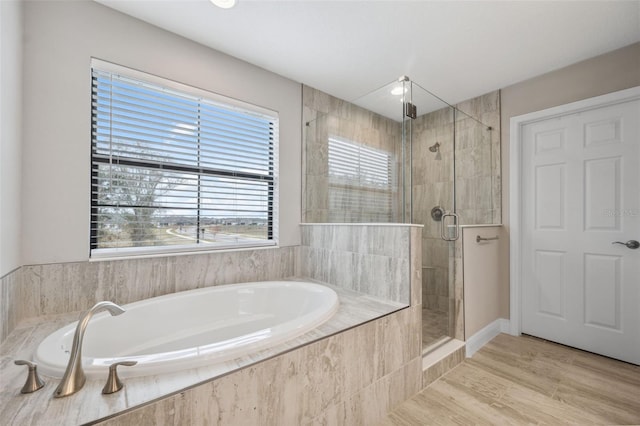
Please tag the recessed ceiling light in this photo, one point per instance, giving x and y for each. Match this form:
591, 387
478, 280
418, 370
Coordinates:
225, 4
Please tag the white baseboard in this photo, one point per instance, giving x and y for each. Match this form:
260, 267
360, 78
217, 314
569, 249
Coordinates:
484, 336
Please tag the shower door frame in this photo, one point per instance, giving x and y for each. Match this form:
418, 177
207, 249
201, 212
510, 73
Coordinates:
454, 331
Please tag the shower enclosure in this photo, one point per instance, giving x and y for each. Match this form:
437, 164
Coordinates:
401, 154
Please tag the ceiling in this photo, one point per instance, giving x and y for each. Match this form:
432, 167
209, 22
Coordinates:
456, 49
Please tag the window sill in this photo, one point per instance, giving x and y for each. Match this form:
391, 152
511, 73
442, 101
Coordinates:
100, 255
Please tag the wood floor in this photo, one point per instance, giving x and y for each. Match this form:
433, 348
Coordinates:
525, 380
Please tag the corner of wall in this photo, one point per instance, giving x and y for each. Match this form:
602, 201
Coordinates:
11, 46
10, 309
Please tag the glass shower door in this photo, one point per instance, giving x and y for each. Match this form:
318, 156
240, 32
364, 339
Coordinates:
433, 205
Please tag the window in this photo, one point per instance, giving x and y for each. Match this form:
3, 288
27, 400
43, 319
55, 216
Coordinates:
176, 168
360, 182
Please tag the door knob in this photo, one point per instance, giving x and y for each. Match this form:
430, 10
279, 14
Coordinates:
632, 244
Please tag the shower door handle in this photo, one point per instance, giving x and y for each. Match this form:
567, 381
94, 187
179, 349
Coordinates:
443, 227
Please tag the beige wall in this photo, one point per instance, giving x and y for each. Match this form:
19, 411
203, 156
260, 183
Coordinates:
10, 134
481, 269
60, 39
603, 74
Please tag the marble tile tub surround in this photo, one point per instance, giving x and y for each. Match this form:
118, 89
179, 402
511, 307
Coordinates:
352, 378
68, 287
89, 405
376, 262
374, 259
348, 371
10, 312
49, 289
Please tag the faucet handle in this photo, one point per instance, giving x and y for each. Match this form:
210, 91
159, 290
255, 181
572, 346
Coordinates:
34, 382
114, 384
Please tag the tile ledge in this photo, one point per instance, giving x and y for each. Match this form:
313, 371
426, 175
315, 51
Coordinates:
441, 352
400, 225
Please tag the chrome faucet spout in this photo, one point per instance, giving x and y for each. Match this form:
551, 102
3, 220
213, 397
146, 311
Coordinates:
74, 377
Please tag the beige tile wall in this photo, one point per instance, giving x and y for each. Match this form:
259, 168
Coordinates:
11, 313
325, 116
370, 259
476, 173
352, 378
67, 287
477, 191
432, 185
478, 163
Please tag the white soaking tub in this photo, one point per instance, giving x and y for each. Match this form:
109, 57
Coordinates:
192, 328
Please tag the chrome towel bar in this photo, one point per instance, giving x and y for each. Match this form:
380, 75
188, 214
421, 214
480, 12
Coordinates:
479, 238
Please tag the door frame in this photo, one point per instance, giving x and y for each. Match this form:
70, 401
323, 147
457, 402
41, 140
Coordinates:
515, 185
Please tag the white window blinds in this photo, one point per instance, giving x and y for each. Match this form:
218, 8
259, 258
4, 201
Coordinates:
360, 182
178, 169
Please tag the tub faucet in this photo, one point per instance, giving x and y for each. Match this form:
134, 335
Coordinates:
74, 377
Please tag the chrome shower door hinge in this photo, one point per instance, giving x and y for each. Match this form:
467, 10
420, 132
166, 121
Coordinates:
410, 110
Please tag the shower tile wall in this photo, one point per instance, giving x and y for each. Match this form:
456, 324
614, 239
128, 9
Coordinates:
328, 117
477, 174
478, 182
369, 259
432, 183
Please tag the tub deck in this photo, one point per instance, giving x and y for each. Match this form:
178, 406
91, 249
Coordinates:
89, 405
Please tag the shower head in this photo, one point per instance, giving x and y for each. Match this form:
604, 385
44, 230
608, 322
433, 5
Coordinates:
436, 148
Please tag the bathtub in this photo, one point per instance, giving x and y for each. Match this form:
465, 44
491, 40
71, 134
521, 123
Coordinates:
192, 328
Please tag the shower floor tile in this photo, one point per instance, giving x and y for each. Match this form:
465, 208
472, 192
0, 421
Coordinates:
435, 326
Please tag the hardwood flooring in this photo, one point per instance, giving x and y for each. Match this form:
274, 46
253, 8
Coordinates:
525, 380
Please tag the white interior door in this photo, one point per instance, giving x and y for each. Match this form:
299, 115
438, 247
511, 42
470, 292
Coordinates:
581, 193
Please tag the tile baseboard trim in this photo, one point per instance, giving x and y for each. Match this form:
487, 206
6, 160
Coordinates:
484, 336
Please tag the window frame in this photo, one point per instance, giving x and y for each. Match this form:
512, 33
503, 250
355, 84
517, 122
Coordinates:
229, 104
